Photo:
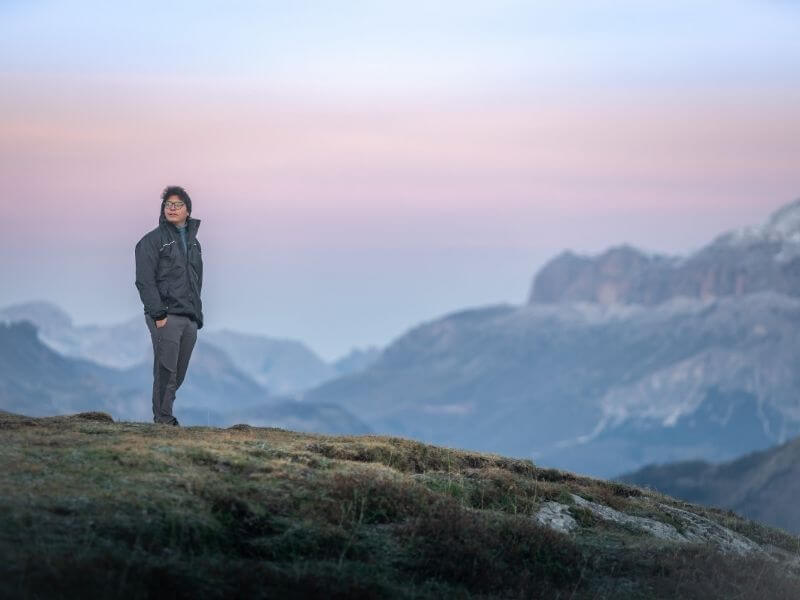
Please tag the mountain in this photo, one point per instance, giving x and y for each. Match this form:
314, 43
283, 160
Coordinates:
212, 382
49, 319
36, 380
746, 261
590, 388
120, 345
356, 360
604, 387
281, 366
763, 486
93, 508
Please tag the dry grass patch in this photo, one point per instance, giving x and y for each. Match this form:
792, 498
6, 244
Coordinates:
409, 456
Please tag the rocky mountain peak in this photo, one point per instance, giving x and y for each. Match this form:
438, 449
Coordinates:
606, 278
744, 261
782, 227
785, 222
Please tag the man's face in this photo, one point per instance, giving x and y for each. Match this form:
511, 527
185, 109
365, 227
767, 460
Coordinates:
175, 210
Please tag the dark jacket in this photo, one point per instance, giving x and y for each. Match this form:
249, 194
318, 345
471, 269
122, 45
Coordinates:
169, 281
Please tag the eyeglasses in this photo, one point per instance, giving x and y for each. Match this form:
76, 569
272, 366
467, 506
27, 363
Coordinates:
174, 205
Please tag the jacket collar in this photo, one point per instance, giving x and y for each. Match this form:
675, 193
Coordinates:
192, 225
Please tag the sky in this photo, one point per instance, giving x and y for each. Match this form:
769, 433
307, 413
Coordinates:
361, 167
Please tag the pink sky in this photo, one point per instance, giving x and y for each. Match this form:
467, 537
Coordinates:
475, 172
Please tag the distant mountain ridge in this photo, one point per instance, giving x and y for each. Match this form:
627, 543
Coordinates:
701, 363
753, 259
356, 360
280, 366
36, 380
590, 388
628, 359
119, 345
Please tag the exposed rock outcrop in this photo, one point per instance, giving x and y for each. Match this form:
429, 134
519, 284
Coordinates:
687, 527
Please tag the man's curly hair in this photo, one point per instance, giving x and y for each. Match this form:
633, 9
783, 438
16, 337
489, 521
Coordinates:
176, 190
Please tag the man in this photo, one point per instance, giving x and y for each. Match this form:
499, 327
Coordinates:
169, 277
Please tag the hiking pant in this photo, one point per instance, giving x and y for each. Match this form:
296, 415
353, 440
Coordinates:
172, 349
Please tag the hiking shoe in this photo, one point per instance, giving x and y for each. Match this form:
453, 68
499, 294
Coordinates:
175, 422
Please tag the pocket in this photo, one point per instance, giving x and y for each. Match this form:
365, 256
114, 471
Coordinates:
156, 331
167, 351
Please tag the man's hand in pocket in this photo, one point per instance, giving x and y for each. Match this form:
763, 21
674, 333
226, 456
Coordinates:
162, 322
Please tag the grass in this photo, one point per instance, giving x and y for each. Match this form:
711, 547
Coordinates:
89, 507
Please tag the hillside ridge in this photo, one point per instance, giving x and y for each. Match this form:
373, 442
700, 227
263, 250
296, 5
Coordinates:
128, 508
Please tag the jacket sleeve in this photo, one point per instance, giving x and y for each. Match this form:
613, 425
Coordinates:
146, 265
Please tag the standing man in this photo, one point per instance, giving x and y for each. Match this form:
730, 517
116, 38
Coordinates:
169, 276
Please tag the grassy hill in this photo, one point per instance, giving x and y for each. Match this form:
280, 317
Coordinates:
94, 508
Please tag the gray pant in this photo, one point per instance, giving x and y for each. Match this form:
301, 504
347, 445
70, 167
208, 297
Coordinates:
172, 348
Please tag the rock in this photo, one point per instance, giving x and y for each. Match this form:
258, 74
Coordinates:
694, 528
702, 530
663, 531
556, 516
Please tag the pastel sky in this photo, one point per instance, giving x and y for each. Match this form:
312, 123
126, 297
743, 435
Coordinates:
360, 167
